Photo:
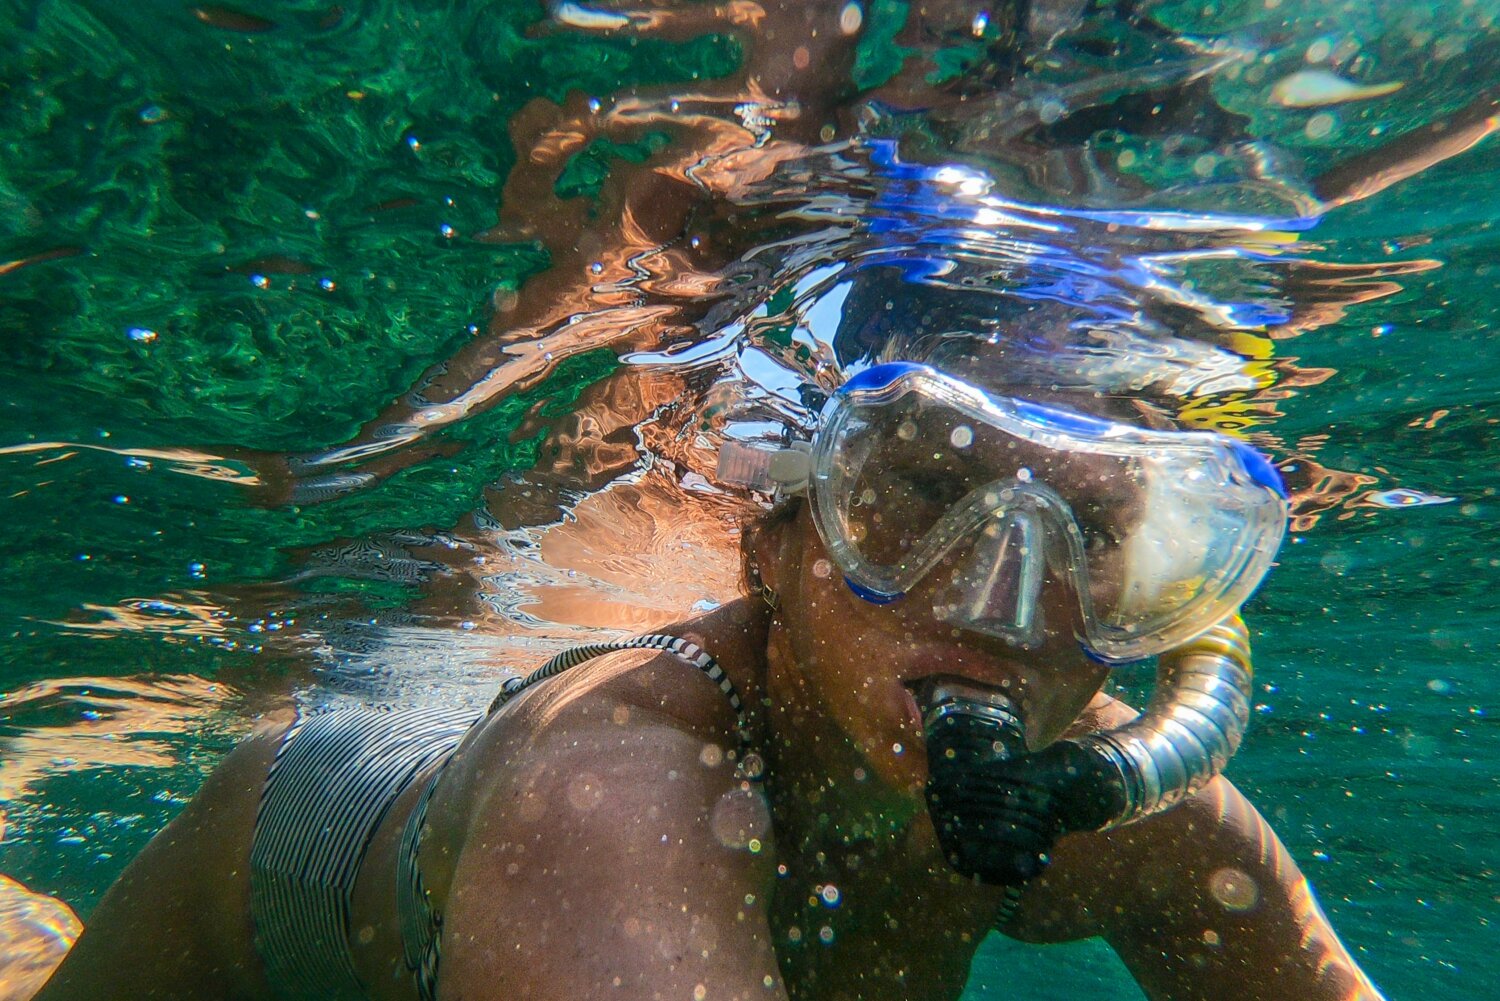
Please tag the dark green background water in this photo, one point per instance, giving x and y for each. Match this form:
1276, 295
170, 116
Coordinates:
164, 155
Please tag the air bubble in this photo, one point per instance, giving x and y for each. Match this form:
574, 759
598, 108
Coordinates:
585, 791
740, 819
1320, 126
851, 18
1233, 889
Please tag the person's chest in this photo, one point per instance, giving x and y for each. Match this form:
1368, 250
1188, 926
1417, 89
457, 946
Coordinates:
856, 926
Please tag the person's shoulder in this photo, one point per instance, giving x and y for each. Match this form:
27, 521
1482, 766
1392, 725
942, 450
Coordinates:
624, 707
624, 735
610, 791
632, 689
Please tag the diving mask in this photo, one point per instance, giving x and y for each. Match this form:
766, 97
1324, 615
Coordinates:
911, 472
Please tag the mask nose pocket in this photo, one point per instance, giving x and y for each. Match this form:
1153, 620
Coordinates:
997, 589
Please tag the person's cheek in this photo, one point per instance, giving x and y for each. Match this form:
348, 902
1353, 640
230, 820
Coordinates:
871, 648
1056, 694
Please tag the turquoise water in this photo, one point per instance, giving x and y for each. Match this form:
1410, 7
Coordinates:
228, 242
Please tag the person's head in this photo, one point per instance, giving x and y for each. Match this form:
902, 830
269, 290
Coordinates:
946, 532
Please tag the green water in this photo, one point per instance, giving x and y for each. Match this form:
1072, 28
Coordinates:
163, 160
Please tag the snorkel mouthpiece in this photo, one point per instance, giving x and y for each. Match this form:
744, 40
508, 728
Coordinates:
998, 809
983, 834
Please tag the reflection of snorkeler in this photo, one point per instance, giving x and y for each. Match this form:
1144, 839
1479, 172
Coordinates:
948, 573
641, 264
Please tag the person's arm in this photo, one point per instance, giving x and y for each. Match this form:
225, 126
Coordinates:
1214, 907
616, 861
1203, 901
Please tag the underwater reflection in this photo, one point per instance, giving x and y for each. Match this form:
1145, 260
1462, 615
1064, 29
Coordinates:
741, 247
744, 245
68, 725
36, 931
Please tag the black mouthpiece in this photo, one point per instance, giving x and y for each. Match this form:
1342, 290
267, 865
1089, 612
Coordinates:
997, 808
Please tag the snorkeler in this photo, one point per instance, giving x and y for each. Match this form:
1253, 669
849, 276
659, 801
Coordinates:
834, 787
610, 830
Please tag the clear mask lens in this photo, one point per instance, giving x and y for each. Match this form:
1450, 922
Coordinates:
997, 589
1160, 534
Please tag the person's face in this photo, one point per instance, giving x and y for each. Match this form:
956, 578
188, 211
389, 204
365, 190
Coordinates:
856, 663
925, 461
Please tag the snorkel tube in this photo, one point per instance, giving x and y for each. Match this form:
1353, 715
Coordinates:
998, 808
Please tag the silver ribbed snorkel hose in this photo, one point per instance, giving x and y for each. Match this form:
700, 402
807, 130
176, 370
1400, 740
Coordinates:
1191, 728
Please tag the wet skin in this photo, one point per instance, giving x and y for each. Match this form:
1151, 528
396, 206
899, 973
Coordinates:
594, 840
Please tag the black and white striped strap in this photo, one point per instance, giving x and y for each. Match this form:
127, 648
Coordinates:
685, 649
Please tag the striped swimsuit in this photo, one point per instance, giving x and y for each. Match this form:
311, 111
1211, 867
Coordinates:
336, 774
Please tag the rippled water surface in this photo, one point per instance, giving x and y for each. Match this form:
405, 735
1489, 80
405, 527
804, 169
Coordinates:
290, 410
